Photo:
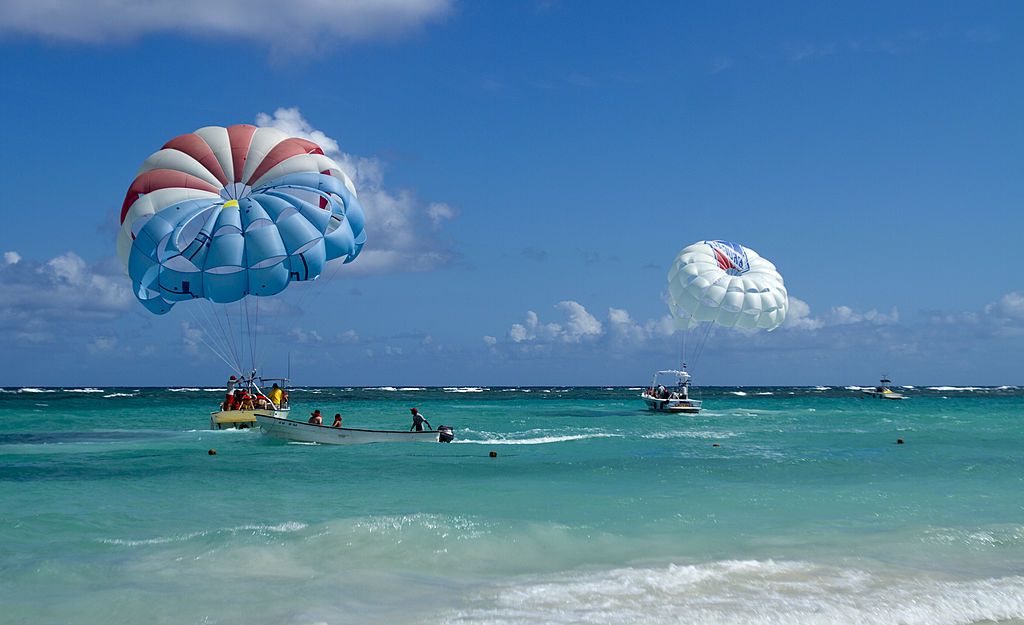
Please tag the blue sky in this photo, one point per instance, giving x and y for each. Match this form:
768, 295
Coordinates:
540, 164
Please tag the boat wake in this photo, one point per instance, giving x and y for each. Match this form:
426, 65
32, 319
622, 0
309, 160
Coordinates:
540, 440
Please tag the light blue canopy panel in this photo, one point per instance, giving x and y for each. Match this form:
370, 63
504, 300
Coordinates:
222, 250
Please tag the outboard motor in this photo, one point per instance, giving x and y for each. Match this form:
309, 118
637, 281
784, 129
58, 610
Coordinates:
445, 434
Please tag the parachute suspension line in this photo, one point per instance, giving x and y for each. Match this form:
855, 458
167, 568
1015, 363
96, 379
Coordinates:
231, 334
215, 343
249, 332
702, 342
256, 338
207, 343
223, 340
225, 331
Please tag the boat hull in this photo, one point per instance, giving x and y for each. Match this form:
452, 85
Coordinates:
889, 395
297, 431
241, 419
680, 406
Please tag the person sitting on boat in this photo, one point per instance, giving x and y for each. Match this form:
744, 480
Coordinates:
246, 403
316, 419
337, 421
418, 421
276, 395
284, 399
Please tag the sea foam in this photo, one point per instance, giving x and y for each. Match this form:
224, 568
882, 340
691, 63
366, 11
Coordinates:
749, 591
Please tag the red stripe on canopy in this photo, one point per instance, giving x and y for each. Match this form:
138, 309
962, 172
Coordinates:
193, 145
161, 179
240, 136
281, 152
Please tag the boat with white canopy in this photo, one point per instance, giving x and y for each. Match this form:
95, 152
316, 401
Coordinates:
675, 398
883, 390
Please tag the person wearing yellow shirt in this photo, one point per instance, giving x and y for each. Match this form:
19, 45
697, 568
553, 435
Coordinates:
275, 395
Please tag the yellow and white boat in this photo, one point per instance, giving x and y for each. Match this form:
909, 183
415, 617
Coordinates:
883, 391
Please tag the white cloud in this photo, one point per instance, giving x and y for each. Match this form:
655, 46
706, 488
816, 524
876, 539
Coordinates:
1007, 314
12, 258
1009, 307
102, 344
402, 233
284, 26
438, 212
490, 340
64, 288
304, 337
844, 315
799, 316
579, 325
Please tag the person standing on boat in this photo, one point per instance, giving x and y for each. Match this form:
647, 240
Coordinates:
418, 421
276, 395
229, 399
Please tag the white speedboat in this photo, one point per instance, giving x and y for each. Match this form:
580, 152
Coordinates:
298, 431
883, 391
660, 398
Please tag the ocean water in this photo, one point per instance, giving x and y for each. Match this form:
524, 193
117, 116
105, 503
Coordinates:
775, 505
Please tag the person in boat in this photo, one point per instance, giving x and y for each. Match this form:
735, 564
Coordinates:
276, 395
315, 417
246, 403
418, 421
229, 399
662, 392
284, 399
337, 421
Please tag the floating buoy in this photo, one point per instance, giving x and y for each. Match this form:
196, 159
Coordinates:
212, 452
493, 454
899, 441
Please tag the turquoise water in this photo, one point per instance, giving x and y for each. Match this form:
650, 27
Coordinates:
594, 511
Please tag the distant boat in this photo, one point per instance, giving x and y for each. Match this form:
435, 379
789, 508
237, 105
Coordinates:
301, 432
883, 390
660, 398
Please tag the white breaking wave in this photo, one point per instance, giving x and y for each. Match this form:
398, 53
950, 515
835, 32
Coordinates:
956, 388
856, 388
742, 592
540, 440
463, 389
635, 388
120, 395
384, 388
822, 388
280, 528
765, 393
690, 434
738, 393
29, 389
83, 390
412, 388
